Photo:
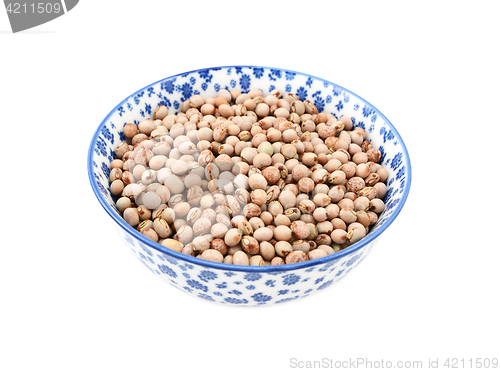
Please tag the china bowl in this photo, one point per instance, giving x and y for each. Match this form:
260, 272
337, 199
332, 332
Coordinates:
249, 285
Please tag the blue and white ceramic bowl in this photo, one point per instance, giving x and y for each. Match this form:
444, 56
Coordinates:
249, 285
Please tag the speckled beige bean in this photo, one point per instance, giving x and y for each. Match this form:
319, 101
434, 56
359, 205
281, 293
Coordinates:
295, 257
300, 229
240, 258
283, 248
250, 245
263, 234
218, 230
233, 237
348, 215
257, 181
355, 232
131, 216
256, 260
267, 250
212, 255
316, 253
377, 205
277, 261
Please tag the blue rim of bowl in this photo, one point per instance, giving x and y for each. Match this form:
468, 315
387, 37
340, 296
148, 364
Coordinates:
221, 266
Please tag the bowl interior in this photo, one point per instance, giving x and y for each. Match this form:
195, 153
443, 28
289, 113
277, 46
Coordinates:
328, 97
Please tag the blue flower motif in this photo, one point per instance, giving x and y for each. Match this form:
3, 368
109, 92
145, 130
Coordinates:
221, 285
325, 285
392, 204
204, 86
336, 91
347, 97
309, 82
286, 299
270, 283
401, 173
261, 298
235, 292
367, 111
192, 80
207, 275
205, 297
168, 86
229, 274
197, 285
339, 106
218, 294
382, 151
108, 135
250, 287
290, 279
327, 266
187, 91
101, 147
276, 72
258, 72
289, 75
147, 250
353, 260
339, 273
205, 74
319, 102
216, 87
397, 161
236, 301
245, 82
105, 169
283, 292
328, 99
374, 118
167, 270
252, 277
238, 70
302, 94
319, 280
288, 88
186, 275
187, 289
171, 259
387, 134
356, 107
232, 83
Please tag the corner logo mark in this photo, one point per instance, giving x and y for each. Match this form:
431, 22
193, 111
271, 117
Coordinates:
25, 14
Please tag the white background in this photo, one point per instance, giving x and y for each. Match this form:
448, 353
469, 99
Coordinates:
73, 298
